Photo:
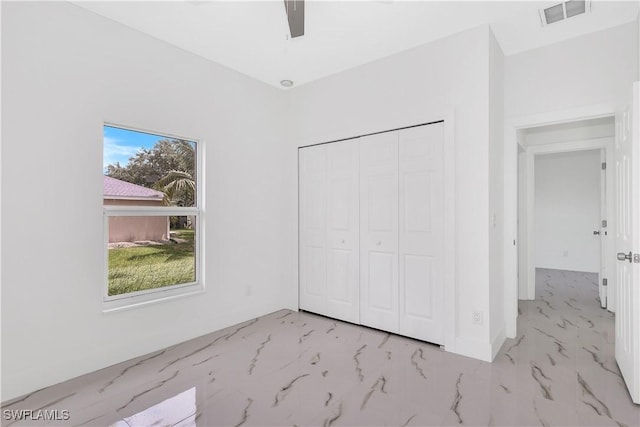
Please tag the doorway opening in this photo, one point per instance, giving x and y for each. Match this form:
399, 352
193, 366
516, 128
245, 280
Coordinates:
622, 206
565, 203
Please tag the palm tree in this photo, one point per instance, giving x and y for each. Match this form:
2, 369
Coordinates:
179, 187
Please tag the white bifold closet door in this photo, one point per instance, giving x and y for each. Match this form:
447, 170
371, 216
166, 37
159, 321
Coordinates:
371, 231
401, 232
379, 231
421, 232
329, 230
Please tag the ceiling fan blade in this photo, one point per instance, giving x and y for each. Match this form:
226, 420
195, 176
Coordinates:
295, 16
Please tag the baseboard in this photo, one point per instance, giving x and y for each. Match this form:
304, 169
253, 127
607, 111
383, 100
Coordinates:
496, 343
511, 329
473, 348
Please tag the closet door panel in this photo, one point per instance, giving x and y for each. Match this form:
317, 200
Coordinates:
371, 231
342, 231
418, 297
421, 238
379, 231
312, 203
382, 283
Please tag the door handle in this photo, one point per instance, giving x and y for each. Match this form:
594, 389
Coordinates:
624, 257
596, 233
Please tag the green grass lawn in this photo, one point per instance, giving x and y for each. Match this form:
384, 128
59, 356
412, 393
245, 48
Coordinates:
149, 267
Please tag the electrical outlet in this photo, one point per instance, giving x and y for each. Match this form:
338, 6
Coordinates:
477, 317
248, 291
565, 253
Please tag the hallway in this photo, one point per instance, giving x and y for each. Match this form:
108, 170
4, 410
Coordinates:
291, 368
563, 357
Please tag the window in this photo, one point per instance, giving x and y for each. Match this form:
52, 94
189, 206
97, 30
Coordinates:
151, 217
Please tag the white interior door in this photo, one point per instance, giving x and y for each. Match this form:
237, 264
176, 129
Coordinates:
421, 232
602, 229
342, 231
379, 231
312, 226
627, 318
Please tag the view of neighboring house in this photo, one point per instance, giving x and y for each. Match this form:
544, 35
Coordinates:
132, 228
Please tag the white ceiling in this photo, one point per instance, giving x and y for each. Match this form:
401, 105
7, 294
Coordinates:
252, 37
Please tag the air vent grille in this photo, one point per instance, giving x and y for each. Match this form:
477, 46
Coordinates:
574, 8
562, 11
554, 13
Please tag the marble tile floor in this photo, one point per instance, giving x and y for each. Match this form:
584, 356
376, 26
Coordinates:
300, 369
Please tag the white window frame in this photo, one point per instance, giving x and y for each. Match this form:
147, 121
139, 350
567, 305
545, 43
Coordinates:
140, 298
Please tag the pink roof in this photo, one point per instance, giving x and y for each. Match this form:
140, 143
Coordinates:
117, 189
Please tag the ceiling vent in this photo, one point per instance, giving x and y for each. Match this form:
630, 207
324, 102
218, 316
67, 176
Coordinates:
562, 11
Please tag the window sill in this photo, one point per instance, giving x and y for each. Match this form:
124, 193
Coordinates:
157, 296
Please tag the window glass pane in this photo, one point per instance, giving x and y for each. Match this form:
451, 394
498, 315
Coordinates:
150, 252
143, 169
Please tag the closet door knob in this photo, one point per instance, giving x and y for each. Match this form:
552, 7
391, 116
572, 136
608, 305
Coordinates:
342, 241
378, 243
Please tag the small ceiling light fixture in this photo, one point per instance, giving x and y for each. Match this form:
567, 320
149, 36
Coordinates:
286, 83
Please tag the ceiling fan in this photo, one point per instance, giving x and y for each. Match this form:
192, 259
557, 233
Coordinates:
295, 16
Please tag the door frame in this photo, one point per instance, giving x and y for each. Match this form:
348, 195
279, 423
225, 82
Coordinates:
512, 127
527, 290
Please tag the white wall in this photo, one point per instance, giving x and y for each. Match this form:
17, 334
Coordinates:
64, 72
496, 193
409, 88
567, 211
597, 68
